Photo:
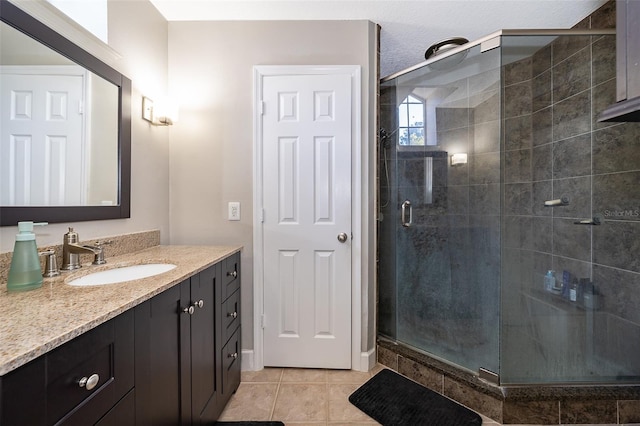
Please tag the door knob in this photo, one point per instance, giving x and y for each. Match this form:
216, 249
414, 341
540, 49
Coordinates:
342, 237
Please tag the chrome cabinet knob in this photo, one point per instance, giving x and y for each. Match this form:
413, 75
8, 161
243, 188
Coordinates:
190, 310
199, 303
90, 382
232, 314
342, 237
233, 355
233, 274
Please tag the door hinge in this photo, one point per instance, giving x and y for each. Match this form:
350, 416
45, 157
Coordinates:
261, 215
262, 321
261, 107
80, 107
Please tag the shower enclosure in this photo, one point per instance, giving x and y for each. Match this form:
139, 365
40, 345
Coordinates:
508, 215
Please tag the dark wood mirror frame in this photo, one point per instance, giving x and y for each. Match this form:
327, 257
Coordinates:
9, 216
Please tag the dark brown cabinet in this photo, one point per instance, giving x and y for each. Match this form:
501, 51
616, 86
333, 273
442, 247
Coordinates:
627, 106
180, 359
230, 327
77, 383
172, 360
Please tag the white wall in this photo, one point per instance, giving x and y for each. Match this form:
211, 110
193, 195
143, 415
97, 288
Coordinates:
210, 72
139, 33
183, 187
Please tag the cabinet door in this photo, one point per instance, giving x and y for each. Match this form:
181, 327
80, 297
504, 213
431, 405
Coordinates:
23, 395
204, 383
162, 335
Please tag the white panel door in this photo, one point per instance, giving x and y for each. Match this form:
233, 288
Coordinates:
306, 124
41, 145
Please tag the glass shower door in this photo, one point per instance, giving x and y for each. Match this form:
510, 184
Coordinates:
443, 217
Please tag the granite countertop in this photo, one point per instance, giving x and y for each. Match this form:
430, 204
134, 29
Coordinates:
35, 322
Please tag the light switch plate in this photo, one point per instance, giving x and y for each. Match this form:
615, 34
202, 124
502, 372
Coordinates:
234, 210
147, 109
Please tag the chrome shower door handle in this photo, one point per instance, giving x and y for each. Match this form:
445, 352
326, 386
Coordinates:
403, 214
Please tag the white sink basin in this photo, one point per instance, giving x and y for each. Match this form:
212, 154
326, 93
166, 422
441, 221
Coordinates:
122, 274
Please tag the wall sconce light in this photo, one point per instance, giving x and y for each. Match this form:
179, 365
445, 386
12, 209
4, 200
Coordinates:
161, 113
459, 159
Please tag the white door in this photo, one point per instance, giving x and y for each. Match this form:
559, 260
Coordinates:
306, 137
41, 131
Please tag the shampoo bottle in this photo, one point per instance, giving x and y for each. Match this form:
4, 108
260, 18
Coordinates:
25, 272
549, 281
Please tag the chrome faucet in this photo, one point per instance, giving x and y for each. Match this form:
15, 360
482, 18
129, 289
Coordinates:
72, 249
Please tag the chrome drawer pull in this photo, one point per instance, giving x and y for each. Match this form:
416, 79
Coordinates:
232, 314
89, 383
233, 274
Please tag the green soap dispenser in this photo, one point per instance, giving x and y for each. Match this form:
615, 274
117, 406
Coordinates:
25, 272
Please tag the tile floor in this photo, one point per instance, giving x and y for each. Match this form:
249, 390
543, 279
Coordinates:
301, 397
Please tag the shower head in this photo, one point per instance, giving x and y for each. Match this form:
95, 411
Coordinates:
444, 46
384, 137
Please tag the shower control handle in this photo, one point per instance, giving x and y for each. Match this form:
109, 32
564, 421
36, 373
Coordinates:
342, 237
403, 215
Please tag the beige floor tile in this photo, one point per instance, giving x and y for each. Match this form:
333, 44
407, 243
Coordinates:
252, 401
306, 375
264, 375
340, 409
301, 402
375, 370
305, 424
348, 376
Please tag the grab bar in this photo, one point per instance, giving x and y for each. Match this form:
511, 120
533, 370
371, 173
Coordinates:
403, 216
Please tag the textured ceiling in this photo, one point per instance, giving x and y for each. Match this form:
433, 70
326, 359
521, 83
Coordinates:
408, 27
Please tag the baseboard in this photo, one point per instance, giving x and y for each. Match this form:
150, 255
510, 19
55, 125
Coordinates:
248, 363
368, 360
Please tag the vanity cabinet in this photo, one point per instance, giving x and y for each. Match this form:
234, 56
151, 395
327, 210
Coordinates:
171, 360
230, 327
77, 383
184, 370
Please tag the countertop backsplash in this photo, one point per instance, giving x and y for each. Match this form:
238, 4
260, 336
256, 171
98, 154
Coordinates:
120, 244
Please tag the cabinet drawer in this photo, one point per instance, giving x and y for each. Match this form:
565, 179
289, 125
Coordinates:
230, 275
104, 353
66, 392
230, 316
231, 365
123, 414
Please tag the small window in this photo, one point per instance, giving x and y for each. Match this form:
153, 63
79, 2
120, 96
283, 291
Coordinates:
411, 118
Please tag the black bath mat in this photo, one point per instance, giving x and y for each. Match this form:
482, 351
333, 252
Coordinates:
249, 424
393, 400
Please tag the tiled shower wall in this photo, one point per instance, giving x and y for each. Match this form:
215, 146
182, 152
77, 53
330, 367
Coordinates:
554, 147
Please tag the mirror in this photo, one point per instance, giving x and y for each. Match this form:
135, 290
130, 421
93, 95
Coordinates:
65, 129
